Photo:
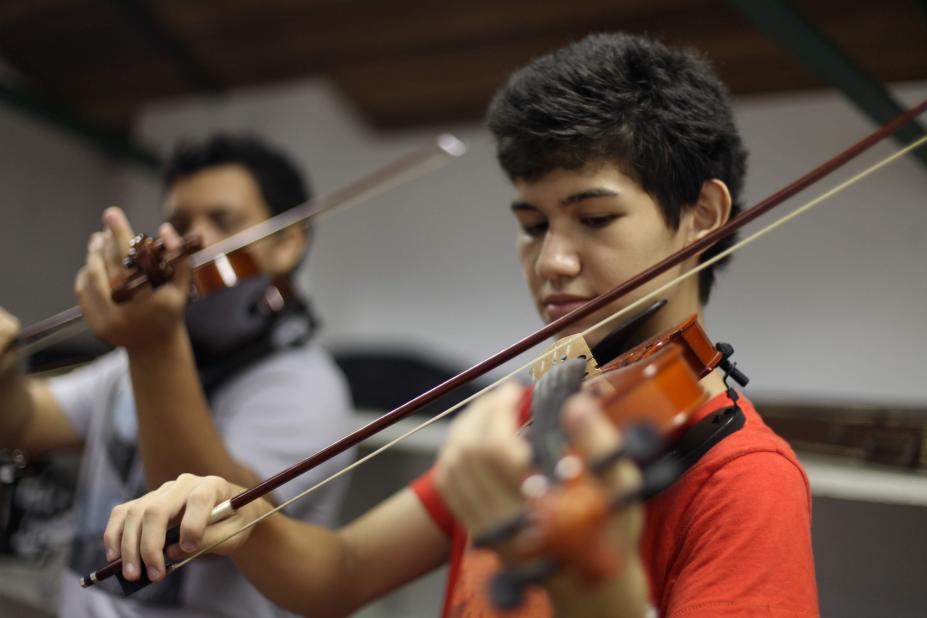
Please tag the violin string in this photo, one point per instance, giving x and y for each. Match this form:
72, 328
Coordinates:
617, 315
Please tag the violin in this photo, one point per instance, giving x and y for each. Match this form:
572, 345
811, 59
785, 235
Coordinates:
649, 393
698, 358
226, 263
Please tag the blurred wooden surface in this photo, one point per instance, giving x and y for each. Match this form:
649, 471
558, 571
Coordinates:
404, 62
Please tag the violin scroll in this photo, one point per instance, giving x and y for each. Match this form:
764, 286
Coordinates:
149, 262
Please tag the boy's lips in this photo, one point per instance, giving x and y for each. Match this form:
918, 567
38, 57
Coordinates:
557, 306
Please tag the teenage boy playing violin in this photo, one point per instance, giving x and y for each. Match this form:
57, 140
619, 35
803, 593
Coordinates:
188, 389
620, 152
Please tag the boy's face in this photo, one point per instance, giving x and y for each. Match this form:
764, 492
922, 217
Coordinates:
585, 231
218, 202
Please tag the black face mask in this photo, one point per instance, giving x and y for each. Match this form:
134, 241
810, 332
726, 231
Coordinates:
230, 318
234, 327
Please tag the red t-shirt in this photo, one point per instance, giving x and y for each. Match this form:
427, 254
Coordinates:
731, 538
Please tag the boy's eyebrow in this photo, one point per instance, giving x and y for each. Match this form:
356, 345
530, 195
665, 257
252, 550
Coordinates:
573, 198
587, 194
520, 205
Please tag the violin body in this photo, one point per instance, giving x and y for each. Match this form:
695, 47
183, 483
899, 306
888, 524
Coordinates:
661, 389
655, 385
149, 262
697, 348
226, 271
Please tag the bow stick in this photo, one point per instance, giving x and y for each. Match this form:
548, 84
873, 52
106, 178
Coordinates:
261, 489
426, 158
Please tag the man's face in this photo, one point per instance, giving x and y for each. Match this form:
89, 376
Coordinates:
585, 231
219, 201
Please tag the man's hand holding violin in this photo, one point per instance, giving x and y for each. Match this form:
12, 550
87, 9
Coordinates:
151, 316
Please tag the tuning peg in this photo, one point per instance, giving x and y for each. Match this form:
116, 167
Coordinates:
729, 368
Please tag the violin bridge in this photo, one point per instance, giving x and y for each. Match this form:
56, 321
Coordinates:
569, 348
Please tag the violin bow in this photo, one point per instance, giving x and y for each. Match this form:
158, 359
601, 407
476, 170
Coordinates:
424, 159
224, 509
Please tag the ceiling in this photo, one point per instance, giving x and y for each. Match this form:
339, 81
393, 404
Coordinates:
404, 62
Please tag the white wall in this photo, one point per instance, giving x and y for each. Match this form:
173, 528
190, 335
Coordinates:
52, 191
830, 306
827, 308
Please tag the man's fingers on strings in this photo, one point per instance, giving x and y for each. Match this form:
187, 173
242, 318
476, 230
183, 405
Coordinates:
91, 287
173, 242
169, 236
95, 271
115, 221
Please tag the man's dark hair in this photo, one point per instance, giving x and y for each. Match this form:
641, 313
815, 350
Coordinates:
661, 115
282, 185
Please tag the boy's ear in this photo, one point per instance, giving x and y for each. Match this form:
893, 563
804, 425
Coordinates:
711, 211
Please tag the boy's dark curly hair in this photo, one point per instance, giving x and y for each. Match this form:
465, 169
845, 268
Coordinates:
661, 115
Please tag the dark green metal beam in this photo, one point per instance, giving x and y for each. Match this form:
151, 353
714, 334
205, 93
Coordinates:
143, 18
818, 53
113, 143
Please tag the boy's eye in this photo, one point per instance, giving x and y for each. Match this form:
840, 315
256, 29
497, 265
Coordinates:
598, 221
534, 229
180, 221
224, 222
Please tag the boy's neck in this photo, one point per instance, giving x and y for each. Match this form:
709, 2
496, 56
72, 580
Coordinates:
677, 310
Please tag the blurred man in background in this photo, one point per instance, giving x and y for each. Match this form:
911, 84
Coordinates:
215, 387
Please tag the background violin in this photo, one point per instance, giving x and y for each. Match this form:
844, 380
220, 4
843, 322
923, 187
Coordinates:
226, 263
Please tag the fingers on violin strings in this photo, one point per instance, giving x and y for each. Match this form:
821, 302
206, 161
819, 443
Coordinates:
508, 451
169, 236
594, 436
172, 242
117, 224
485, 461
92, 285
